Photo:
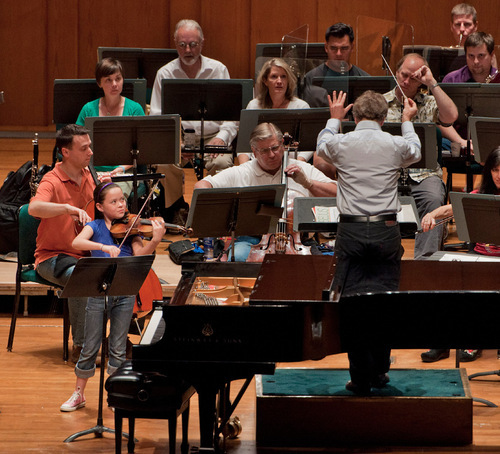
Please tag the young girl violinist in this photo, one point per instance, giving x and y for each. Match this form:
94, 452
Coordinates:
110, 204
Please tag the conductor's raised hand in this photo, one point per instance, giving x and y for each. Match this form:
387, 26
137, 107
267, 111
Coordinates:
410, 109
336, 104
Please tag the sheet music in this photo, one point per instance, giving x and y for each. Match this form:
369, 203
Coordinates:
325, 214
458, 257
407, 214
331, 214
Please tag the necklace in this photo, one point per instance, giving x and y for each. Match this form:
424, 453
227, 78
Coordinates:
110, 112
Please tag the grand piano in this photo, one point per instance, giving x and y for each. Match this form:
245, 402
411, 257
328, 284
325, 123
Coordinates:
292, 313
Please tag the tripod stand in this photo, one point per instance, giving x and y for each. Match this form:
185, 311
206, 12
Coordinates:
106, 277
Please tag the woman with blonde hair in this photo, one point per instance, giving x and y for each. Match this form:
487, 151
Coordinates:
275, 88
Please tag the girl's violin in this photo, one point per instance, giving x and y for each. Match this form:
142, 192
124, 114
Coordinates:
130, 224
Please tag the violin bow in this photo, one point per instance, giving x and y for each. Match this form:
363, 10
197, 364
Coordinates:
442, 221
127, 233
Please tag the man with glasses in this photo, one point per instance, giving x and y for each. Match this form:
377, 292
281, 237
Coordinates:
267, 146
191, 64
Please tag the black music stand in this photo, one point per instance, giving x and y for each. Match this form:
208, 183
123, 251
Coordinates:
135, 140
97, 277
235, 211
304, 220
473, 99
206, 100
354, 85
485, 135
477, 217
140, 62
303, 125
70, 95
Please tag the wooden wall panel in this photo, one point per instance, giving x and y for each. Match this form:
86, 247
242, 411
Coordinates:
125, 24
23, 68
42, 40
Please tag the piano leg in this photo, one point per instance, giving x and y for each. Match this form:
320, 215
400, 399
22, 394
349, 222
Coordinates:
207, 394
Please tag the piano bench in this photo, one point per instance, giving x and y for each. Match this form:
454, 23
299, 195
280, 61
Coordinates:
148, 395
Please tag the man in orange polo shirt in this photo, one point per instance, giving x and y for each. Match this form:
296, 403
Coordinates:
60, 203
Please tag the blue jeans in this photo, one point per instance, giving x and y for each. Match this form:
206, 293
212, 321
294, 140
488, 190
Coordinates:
76, 306
242, 246
119, 312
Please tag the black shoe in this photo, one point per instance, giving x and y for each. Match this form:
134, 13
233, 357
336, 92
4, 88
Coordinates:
466, 356
357, 389
380, 381
434, 355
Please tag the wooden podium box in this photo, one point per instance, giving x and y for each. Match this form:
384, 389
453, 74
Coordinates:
311, 408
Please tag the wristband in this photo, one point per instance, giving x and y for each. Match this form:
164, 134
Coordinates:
433, 86
102, 245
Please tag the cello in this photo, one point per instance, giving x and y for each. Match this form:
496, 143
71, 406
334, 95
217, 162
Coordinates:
284, 240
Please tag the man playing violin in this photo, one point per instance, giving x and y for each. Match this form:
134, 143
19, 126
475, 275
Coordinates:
60, 202
267, 146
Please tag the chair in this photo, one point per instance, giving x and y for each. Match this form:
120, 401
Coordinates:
25, 272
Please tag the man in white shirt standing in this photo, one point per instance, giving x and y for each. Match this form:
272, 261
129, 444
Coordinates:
191, 64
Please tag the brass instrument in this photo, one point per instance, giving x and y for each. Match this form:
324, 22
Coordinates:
495, 78
34, 167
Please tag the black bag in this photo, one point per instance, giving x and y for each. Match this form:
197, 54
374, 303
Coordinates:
14, 193
183, 251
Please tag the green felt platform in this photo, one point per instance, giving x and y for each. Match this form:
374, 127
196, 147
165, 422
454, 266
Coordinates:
331, 382
301, 407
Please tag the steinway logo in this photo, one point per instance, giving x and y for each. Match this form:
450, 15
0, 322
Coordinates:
207, 337
207, 330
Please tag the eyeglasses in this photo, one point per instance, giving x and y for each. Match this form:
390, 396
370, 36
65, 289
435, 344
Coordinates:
192, 44
267, 151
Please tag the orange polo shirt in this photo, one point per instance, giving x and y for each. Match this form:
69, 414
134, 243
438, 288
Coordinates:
56, 234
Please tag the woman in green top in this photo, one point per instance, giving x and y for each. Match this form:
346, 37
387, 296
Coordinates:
109, 77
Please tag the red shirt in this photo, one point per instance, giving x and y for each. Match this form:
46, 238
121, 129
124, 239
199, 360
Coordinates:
56, 234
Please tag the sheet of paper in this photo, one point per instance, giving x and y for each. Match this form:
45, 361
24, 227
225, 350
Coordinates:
325, 214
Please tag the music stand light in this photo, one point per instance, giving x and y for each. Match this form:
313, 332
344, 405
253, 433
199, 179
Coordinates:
135, 140
234, 212
97, 277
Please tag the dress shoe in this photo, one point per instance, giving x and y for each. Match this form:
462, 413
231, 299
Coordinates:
357, 389
466, 356
380, 381
434, 355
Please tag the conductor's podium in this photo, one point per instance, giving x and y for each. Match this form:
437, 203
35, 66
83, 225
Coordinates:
299, 407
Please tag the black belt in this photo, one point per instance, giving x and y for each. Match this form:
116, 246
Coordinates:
359, 218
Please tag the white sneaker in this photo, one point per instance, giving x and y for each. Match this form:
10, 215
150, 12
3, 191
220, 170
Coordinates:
75, 402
